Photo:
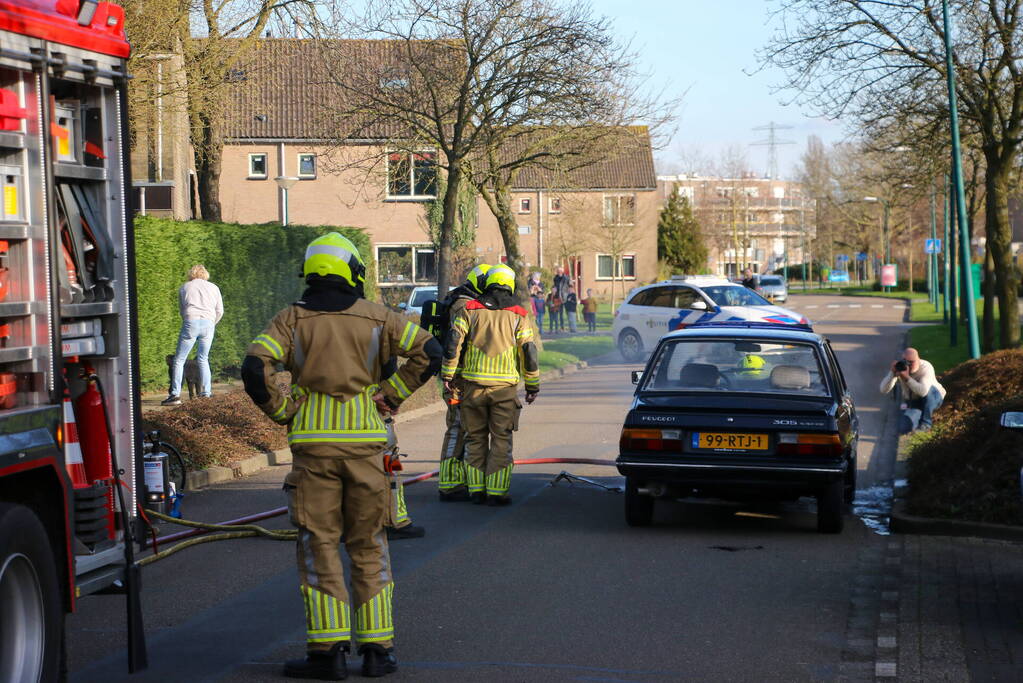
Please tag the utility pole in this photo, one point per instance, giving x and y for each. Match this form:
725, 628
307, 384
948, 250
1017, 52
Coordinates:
953, 314
960, 192
945, 259
932, 258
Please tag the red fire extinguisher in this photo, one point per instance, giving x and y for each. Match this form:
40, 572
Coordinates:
92, 429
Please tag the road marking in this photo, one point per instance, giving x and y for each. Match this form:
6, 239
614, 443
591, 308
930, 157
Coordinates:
834, 306
855, 305
811, 306
886, 642
885, 670
898, 306
877, 305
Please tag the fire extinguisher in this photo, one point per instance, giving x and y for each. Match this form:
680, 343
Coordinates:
95, 441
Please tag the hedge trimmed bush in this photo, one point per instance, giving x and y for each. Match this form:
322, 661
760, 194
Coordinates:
257, 268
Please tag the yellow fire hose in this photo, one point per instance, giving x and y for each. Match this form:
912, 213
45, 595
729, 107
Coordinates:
230, 532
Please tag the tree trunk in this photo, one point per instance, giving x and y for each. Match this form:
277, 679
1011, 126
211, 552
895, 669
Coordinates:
208, 158
999, 239
498, 200
447, 226
988, 338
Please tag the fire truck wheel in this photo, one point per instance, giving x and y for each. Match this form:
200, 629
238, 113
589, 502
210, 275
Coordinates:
31, 616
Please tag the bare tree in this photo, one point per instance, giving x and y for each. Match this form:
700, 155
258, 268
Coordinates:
882, 62
495, 86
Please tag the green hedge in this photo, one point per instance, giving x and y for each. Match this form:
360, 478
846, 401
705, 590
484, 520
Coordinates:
257, 268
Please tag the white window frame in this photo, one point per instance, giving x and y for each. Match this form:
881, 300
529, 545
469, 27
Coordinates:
525, 229
298, 166
412, 196
525, 205
258, 176
608, 278
415, 249
619, 197
554, 205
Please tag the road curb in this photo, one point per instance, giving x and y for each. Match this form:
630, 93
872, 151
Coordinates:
200, 479
904, 523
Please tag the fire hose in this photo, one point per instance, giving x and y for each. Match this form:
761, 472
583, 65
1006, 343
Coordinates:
243, 527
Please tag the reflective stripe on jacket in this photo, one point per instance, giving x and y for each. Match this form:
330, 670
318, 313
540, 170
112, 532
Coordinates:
495, 347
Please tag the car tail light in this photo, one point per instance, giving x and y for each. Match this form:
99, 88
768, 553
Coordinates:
809, 444
651, 440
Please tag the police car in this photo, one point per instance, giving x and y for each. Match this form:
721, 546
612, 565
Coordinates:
654, 310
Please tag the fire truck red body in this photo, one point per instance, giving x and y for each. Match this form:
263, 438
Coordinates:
68, 351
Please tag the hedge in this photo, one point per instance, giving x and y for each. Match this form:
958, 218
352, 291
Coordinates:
257, 268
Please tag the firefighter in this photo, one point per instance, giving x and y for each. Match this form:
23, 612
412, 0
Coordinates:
492, 342
451, 480
752, 366
336, 345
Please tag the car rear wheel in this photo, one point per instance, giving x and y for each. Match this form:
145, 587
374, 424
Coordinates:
830, 506
639, 509
849, 492
31, 618
630, 346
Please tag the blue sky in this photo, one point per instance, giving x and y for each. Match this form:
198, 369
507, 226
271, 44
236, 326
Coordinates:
709, 46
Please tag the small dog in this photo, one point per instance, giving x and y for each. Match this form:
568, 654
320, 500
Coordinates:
191, 375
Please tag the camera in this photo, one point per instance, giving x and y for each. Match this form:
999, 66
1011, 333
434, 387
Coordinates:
901, 366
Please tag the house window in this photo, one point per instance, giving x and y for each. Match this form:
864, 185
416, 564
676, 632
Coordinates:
257, 166
626, 267
554, 205
525, 205
751, 191
524, 229
620, 209
306, 165
779, 192
723, 192
412, 175
406, 264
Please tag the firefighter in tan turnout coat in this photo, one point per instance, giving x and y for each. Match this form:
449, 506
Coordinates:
336, 346
491, 342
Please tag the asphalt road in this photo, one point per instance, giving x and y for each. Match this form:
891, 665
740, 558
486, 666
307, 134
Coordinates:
555, 586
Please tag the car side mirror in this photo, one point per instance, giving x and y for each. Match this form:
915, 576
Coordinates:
698, 305
1012, 420
637, 375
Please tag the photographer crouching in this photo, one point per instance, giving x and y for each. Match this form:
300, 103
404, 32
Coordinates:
920, 391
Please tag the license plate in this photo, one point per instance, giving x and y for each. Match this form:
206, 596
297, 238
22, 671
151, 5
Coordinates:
730, 442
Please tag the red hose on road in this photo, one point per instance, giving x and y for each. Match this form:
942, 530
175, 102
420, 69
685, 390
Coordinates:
248, 519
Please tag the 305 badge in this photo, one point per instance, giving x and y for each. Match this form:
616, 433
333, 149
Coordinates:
723, 441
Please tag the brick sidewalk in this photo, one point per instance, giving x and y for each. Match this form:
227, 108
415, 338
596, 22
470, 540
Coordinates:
960, 609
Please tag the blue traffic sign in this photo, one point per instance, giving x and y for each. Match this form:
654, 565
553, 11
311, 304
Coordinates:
838, 276
842, 257
861, 256
932, 246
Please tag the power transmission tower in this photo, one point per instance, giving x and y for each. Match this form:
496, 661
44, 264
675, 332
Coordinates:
772, 143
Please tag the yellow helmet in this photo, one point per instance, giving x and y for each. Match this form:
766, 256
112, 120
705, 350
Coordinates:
752, 364
501, 275
477, 278
334, 254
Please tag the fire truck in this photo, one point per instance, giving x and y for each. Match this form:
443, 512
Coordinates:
69, 406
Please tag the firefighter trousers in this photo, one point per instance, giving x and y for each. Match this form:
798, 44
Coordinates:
489, 416
329, 498
452, 453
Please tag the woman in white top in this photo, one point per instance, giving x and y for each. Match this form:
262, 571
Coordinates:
201, 309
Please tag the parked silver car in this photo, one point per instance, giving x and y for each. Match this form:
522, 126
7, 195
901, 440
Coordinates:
773, 288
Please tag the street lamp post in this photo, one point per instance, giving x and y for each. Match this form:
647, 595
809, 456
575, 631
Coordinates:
885, 247
932, 258
285, 183
960, 191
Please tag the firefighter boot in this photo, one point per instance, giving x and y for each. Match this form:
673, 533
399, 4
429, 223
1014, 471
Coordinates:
322, 666
397, 533
377, 661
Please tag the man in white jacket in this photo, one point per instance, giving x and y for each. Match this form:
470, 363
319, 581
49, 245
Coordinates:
201, 309
920, 390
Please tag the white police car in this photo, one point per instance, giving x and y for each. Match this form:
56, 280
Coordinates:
652, 311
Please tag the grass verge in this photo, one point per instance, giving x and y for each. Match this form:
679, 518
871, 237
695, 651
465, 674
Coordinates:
557, 353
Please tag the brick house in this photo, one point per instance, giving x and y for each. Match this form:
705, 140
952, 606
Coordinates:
276, 129
747, 221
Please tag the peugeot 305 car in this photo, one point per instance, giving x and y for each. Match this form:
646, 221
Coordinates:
740, 411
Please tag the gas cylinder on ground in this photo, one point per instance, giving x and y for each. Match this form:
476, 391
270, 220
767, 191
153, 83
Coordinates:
157, 481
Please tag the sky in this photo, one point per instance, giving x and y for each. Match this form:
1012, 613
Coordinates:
707, 49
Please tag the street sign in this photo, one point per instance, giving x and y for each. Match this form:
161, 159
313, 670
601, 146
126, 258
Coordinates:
889, 275
842, 257
861, 256
932, 246
838, 276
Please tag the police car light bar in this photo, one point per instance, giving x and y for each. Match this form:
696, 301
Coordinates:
754, 325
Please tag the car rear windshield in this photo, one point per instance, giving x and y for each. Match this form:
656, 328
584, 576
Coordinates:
772, 281
738, 366
423, 295
734, 295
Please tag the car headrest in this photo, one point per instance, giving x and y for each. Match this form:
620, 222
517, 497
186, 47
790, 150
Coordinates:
790, 377
699, 375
